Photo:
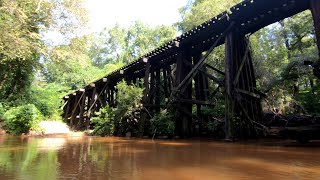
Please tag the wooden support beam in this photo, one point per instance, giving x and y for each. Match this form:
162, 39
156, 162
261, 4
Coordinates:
157, 90
146, 83
145, 100
215, 69
245, 57
152, 85
252, 94
201, 93
315, 10
240, 88
165, 82
216, 80
111, 96
229, 74
184, 122
91, 107
186, 112
67, 109
75, 111
188, 78
170, 79
82, 109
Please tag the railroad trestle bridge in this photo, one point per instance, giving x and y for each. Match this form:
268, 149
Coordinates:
187, 56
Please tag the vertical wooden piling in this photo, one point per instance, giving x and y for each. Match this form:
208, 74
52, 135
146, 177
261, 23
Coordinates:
201, 92
242, 103
145, 99
82, 109
75, 111
67, 109
157, 91
165, 82
184, 118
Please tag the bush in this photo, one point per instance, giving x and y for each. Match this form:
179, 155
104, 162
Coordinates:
310, 102
162, 124
122, 119
128, 104
22, 118
47, 98
104, 122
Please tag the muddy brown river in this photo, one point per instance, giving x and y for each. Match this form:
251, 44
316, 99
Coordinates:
135, 159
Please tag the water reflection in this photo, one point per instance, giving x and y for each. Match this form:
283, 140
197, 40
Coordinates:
117, 158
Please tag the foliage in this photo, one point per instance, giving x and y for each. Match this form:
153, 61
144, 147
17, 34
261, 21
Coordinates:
216, 111
309, 102
119, 44
104, 122
2, 111
22, 118
213, 126
128, 104
199, 11
22, 24
162, 124
47, 98
124, 118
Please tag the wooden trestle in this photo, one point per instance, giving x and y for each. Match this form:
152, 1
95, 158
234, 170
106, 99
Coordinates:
177, 73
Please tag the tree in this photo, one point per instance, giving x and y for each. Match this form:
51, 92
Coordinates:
119, 44
21, 26
199, 11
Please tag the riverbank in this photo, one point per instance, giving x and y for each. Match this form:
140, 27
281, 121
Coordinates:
50, 129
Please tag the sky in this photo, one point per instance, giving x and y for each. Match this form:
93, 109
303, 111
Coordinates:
106, 13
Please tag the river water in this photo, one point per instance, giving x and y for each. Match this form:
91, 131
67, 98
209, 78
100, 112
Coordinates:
135, 159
